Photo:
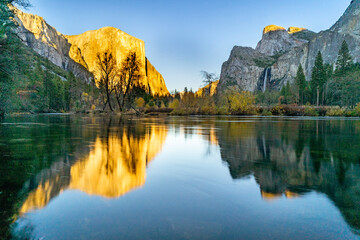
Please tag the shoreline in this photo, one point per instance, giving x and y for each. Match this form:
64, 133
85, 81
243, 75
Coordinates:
162, 114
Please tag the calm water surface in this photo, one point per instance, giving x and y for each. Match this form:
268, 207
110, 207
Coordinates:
73, 177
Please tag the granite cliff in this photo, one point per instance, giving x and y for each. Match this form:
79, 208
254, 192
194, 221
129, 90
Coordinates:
208, 90
278, 55
78, 53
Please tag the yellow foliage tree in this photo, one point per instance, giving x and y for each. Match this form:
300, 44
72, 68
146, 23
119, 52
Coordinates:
239, 102
174, 104
140, 102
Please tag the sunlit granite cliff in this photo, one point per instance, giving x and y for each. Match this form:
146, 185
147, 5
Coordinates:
277, 56
78, 53
115, 165
208, 90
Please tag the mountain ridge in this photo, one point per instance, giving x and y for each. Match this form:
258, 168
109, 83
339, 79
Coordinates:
71, 53
244, 73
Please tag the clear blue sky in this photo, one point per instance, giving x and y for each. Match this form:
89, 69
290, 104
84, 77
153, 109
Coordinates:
186, 36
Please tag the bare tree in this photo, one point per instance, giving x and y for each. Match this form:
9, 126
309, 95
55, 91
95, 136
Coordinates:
22, 3
107, 74
128, 79
208, 78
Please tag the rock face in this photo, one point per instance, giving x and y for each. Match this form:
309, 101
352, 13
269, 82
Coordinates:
78, 53
48, 42
277, 40
155, 80
208, 90
277, 56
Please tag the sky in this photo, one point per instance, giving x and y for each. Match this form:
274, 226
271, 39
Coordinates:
183, 38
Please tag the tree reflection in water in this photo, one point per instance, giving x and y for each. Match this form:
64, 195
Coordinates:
292, 157
108, 157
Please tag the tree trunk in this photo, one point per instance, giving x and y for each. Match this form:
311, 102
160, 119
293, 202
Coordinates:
104, 106
108, 97
317, 96
117, 94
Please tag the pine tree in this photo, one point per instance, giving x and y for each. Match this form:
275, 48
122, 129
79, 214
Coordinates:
318, 77
344, 59
300, 82
10, 49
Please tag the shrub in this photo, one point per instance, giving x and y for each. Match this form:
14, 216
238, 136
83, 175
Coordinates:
293, 110
277, 110
240, 103
266, 113
357, 110
162, 105
174, 104
151, 104
322, 111
222, 110
181, 111
310, 111
139, 102
208, 109
336, 111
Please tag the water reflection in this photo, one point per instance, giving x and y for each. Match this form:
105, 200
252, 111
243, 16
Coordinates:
292, 157
288, 158
115, 165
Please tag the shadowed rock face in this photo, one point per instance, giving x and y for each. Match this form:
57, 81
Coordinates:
78, 53
290, 48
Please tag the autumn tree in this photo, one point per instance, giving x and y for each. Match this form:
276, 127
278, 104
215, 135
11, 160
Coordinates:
107, 74
128, 78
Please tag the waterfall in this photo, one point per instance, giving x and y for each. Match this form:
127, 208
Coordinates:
265, 79
267, 73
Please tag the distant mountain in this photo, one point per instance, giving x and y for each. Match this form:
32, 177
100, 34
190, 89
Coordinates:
78, 53
278, 55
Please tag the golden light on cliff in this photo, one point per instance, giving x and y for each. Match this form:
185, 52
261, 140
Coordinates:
293, 30
273, 28
83, 48
115, 166
208, 90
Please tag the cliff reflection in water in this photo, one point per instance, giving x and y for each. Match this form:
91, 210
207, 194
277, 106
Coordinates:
115, 165
290, 158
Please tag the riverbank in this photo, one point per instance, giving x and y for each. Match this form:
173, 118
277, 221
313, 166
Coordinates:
278, 110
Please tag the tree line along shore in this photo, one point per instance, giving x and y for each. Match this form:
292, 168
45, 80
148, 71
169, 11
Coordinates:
30, 83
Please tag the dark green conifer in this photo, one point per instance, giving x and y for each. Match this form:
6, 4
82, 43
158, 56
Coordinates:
344, 59
300, 82
318, 78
